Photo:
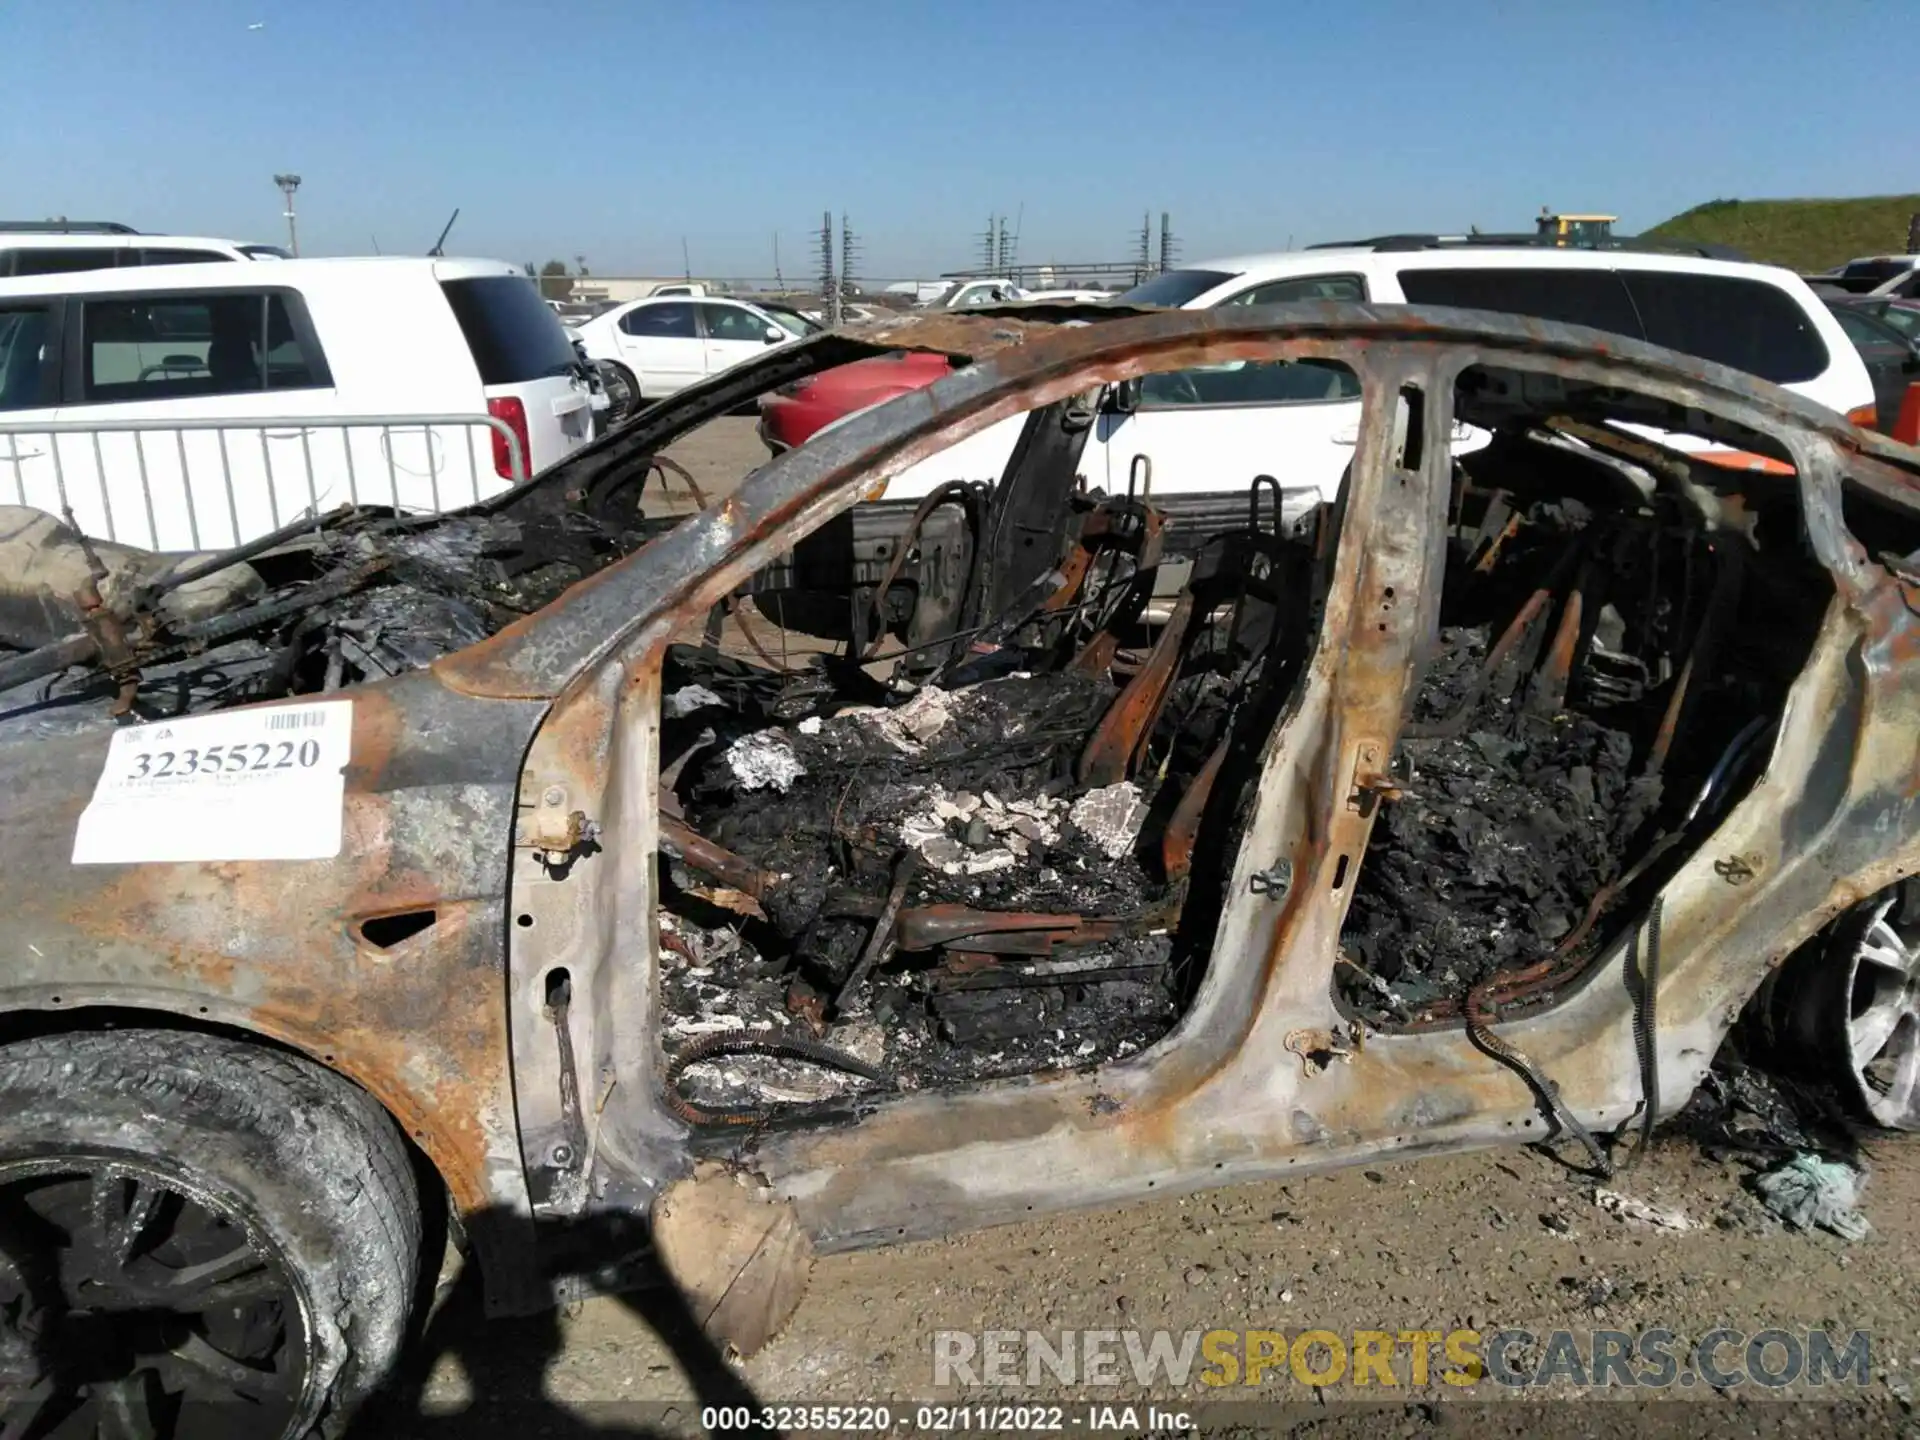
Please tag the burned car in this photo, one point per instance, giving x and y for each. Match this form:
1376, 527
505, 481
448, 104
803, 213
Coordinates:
524, 863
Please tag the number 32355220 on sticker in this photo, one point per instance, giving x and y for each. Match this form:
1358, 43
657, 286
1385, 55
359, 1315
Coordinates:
266, 784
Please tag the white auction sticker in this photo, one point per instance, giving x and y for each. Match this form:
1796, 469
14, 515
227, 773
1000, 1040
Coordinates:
267, 784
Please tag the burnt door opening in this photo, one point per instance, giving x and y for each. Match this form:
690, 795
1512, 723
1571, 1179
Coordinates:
1001, 853
1618, 630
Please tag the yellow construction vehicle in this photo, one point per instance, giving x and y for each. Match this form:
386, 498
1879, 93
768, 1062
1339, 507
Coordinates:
1574, 229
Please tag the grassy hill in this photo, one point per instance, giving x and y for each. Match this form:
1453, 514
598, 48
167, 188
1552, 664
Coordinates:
1803, 234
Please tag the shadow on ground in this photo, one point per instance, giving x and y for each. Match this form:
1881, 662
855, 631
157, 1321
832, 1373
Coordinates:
506, 1361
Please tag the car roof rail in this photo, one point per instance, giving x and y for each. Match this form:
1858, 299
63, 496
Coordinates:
67, 227
1387, 244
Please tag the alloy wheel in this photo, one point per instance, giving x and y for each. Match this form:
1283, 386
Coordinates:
132, 1304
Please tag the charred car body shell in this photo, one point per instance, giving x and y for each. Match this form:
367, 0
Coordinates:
512, 791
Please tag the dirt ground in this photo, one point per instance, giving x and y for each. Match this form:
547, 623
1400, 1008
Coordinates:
1485, 1242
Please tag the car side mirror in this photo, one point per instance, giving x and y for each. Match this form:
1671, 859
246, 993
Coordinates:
1122, 397
775, 335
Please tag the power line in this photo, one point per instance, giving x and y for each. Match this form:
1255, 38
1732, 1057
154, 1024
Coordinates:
850, 249
829, 291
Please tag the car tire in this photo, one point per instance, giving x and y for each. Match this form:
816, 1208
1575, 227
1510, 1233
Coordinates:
261, 1206
633, 400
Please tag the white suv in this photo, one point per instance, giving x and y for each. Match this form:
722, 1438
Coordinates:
1213, 429
200, 406
33, 248
661, 345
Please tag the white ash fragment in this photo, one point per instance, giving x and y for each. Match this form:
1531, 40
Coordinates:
711, 1025
997, 834
1628, 1207
688, 699
764, 1080
985, 862
944, 852
910, 726
1111, 817
960, 806
764, 760
810, 725
863, 1039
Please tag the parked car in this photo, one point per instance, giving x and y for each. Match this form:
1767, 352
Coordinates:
39, 248
971, 294
666, 345
1890, 354
794, 413
797, 323
915, 291
284, 979
1901, 313
206, 405
1197, 438
1875, 273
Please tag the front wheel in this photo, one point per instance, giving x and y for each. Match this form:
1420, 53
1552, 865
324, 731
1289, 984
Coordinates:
198, 1238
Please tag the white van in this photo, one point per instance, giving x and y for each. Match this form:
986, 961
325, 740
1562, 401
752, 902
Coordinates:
202, 406
1214, 428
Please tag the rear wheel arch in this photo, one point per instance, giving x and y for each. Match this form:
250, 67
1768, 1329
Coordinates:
301, 1175
437, 1190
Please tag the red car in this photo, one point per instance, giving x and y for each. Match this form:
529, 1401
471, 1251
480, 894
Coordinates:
792, 413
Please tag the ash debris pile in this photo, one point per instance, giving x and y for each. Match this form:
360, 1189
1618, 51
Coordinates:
1599, 693
980, 869
1508, 830
360, 596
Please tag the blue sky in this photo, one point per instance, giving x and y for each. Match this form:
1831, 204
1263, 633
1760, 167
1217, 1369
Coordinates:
614, 128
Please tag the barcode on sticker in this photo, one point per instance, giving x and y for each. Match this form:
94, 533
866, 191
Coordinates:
297, 720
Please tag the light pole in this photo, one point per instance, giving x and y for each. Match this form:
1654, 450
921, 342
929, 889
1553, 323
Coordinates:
288, 184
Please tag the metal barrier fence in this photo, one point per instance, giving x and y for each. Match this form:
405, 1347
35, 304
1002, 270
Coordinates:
210, 484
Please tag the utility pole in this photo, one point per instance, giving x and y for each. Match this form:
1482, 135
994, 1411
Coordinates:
1169, 247
989, 248
849, 248
829, 290
686, 262
779, 282
288, 184
1143, 261
1003, 250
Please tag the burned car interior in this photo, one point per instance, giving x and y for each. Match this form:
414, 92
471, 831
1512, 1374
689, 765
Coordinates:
1003, 860
996, 839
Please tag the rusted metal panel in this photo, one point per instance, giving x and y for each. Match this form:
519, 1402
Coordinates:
276, 948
